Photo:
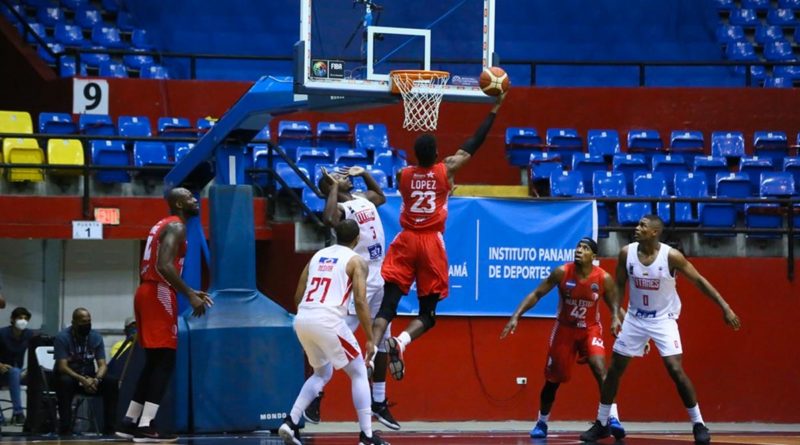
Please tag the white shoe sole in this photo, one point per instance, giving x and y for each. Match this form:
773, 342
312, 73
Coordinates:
153, 440
122, 435
287, 435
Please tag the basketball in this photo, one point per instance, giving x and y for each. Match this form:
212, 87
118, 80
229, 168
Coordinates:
494, 81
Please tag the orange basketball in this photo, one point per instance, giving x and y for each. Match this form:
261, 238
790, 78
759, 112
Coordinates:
494, 81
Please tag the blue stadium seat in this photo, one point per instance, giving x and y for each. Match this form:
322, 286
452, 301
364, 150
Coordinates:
137, 61
645, 185
724, 5
644, 141
710, 166
312, 201
771, 144
153, 72
179, 127
753, 167
789, 4
778, 51
182, 149
521, 143
292, 134
565, 142
744, 51
769, 215
39, 29
781, 17
689, 185
134, 126
140, 39
107, 36
113, 69
743, 17
733, 185
371, 137
150, 153
791, 164
566, 183
56, 48
204, 125
687, 143
723, 215
607, 184
669, 165
603, 142
56, 123
778, 82
380, 177
292, 179
727, 144
586, 164
96, 125
263, 135
68, 67
730, 33
791, 72
334, 135
768, 33
69, 35
543, 165
50, 15
11, 16
88, 17
628, 165
390, 163
125, 21
110, 153
756, 5
309, 157
350, 156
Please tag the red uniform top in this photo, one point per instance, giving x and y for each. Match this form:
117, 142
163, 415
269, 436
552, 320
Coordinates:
149, 270
578, 303
425, 192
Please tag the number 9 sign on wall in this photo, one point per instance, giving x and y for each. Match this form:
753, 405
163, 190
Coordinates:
89, 96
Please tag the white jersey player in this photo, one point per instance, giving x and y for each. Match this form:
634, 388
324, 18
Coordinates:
648, 267
334, 275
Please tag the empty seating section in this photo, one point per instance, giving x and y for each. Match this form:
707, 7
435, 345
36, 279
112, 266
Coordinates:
521, 143
110, 154
65, 152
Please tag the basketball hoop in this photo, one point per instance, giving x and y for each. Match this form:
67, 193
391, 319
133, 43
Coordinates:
422, 93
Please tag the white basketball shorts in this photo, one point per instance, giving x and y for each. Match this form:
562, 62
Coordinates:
326, 339
636, 332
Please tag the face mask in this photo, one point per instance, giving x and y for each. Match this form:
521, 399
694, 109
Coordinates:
21, 324
83, 330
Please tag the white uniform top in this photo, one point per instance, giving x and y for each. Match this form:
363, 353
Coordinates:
652, 288
371, 240
328, 288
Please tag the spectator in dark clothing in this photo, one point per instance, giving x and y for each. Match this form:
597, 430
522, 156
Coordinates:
80, 367
13, 345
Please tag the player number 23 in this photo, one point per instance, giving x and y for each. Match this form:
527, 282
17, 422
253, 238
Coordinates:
425, 202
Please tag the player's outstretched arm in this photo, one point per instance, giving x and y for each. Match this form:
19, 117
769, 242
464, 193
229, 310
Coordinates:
358, 270
471, 145
301, 286
172, 238
332, 214
532, 298
677, 261
612, 301
374, 192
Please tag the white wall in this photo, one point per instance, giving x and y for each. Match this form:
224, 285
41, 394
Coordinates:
21, 278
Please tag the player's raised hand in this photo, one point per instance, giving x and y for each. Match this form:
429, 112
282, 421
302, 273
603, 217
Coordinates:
511, 326
731, 319
355, 171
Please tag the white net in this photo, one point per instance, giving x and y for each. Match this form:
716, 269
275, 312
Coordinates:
422, 93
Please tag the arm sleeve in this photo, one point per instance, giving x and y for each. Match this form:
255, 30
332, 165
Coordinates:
474, 143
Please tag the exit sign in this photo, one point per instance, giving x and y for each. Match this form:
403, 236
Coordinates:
107, 215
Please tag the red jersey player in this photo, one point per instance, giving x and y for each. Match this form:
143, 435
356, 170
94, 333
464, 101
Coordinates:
156, 312
418, 252
577, 332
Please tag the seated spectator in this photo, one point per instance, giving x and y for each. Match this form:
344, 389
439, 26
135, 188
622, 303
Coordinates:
130, 331
80, 367
13, 345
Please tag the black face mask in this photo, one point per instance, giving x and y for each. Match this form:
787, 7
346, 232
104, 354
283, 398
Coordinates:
83, 330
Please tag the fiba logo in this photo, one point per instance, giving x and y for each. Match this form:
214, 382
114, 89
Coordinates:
319, 68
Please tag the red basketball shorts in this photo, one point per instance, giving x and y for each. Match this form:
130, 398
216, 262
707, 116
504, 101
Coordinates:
419, 256
156, 310
566, 344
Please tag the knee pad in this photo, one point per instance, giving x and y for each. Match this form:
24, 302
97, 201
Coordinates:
391, 298
427, 310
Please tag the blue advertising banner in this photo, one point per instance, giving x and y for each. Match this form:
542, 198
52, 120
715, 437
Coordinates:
500, 249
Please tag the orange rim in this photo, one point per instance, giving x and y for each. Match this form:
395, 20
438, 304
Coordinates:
414, 75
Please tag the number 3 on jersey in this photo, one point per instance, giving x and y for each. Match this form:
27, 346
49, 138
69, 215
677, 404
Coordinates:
425, 202
316, 282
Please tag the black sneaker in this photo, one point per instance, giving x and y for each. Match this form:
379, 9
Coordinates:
289, 432
374, 440
596, 432
311, 414
148, 434
381, 412
18, 419
126, 429
396, 364
701, 434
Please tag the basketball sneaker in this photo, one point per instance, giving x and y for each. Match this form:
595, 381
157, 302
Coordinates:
148, 434
596, 432
374, 440
126, 429
701, 434
539, 431
396, 365
311, 413
381, 412
289, 432
616, 428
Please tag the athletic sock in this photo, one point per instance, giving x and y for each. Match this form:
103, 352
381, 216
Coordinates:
694, 414
544, 417
134, 411
614, 412
404, 339
379, 391
148, 413
602, 413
